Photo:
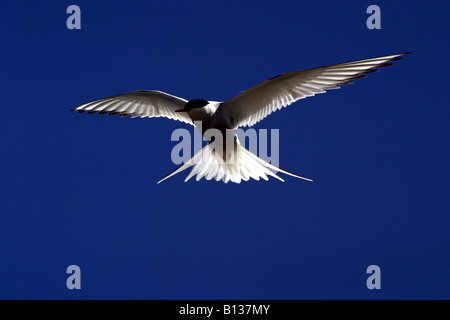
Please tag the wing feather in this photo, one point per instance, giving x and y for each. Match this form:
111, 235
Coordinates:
254, 104
139, 104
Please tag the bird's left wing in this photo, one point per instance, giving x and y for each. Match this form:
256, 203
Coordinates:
254, 104
139, 104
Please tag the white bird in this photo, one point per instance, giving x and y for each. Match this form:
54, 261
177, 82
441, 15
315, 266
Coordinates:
245, 109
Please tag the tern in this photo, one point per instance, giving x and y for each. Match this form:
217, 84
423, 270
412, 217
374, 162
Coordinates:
245, 109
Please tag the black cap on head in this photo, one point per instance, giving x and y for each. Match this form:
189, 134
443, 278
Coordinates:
196, 103
193, 104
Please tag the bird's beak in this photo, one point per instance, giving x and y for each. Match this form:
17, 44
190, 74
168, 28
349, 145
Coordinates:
180, 110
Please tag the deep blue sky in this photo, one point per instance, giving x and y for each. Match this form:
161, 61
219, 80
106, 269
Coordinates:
82, 190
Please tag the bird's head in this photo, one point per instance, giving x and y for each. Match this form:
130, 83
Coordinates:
195, 104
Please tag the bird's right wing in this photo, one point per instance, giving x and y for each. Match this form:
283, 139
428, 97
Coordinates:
254, 104
139, 104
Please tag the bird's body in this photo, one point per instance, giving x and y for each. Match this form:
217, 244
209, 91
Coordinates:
231, 161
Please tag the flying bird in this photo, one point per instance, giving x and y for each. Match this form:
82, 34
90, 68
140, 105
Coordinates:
233, 162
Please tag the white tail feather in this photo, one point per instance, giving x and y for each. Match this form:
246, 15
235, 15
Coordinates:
206, 164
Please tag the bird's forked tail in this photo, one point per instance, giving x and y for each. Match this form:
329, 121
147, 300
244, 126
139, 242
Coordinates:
239, 165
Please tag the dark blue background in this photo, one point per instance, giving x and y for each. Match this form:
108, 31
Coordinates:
78, 189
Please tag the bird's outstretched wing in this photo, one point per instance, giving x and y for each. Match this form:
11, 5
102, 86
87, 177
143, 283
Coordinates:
254, 104
139, 104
